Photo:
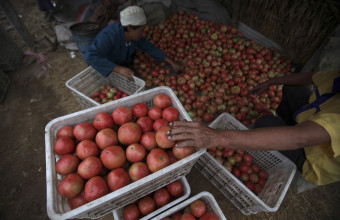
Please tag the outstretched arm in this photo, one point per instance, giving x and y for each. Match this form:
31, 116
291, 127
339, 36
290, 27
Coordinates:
274, 138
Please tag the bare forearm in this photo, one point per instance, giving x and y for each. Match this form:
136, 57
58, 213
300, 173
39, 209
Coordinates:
304, 78
275, 138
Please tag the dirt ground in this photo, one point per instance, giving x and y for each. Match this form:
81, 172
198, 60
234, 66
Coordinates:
34, 99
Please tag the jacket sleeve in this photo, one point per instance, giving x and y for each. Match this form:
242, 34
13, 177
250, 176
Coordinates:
96, 55
151, 49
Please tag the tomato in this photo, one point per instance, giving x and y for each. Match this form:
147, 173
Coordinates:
258, 189
102, 120
172, 157
176, 216
113, 157
175, 188
236, 172
170, 114
250, 185
129, 133
77, 201
145, 123
198, 208
90, 167
65, 131
183, 152
106, 137
244, 168
238, 158
71, 186
138, 170
161, 197
87, 148
84, 131
157, 159
146, 205
122, 115
131, 212
148, 140
247, 158
95, 188
64, 145
263, 174
209, 216
187, 216
159, 123
135, 153
155, 113
117, 179
140, 110
162, 138
162, 101
67, 164
262, 182
255, 168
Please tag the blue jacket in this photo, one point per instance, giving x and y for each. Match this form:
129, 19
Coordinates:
110, 49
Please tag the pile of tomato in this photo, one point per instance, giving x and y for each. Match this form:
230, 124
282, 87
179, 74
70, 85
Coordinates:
107, 93
115, 149
221, 68
148, 204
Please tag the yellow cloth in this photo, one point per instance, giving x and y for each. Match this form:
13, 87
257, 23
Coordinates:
322, 165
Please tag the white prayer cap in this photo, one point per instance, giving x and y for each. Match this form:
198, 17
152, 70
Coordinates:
132, 15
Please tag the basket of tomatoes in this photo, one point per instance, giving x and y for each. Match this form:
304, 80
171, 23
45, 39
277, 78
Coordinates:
253, 181
103, 158
90, 88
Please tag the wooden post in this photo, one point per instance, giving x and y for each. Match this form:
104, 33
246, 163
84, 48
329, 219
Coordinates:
235, 12
16, 21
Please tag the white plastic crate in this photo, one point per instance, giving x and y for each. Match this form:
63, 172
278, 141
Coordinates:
57, 207
118, 213
206, 197
85, 83
279, 168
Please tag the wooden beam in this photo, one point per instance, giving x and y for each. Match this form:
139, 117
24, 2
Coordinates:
16, 21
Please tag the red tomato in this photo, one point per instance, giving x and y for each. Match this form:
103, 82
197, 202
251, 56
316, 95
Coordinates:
131, 212
106, 138
95, 188
159, 123
129, 133
117, 179
102, 120
172, 157
162, 101
263, 174
247, 158
162, 138
84, 131
122, 115
255, 168
175, 188
64, 145
238, 158
161, 197
198, 208
155, 113
258, 189
183, 152
66, 131
157, 159
250, 185
113, 157
244, 168
90, 167
209, 216
262, 182
135, 153
71, 186
236, 172
148, 140
146, 205
67, 164
145, 123
177, 216
138, 170
140, 110
187, 216
170, 114
77, 201
87, 148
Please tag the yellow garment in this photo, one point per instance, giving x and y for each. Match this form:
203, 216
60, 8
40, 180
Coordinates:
322, 165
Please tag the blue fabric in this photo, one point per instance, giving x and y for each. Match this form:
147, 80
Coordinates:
321, 99
110, 49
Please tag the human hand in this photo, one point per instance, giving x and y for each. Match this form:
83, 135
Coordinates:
125, 72
177, 67
261, 87
192, 134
